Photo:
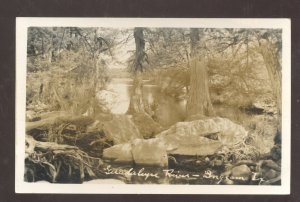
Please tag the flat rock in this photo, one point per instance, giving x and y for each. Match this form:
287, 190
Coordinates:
150, 152
121, 153
141, 152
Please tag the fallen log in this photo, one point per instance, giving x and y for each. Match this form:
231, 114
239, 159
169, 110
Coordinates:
61, 128
57, 119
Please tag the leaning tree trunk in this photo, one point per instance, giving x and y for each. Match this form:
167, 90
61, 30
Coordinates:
136, 101
198, 102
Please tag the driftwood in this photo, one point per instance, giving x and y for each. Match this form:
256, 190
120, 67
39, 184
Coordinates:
59, 162
69, 130
59, 118
32, 144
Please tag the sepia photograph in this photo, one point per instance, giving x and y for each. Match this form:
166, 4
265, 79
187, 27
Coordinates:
116, 105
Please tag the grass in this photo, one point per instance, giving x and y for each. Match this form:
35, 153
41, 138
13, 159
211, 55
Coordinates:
261, 128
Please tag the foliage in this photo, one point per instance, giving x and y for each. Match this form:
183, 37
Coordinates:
67, 65
236, 67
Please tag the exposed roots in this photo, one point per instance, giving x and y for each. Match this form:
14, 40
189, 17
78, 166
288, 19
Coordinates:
58, 163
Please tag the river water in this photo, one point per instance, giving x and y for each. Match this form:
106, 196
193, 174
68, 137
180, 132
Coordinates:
166, 109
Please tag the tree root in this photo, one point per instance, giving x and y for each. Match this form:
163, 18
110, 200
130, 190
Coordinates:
59, 163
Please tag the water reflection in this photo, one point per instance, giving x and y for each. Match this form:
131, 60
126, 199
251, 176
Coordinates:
166, 110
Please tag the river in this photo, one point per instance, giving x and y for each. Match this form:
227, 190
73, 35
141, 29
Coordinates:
166, 109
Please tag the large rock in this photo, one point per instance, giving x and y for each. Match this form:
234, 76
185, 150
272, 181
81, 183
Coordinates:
190, 145
149, 152
121, 153
242, 172
270, 174
228, 133
141, 152
146, 125
106, 98
121, 129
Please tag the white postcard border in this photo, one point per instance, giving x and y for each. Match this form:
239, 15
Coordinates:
21, 49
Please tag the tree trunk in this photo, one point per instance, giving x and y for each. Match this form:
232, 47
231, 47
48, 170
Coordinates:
198, 102
136, 101
139, 49
273, 67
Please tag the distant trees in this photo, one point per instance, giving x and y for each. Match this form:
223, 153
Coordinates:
168, 47
257, 53
72, 65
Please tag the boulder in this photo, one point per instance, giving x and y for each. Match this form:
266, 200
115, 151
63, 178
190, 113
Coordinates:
270, 169
227, 181
270, 174
121, 153
228, 133
121, 129
276, 152
242, 171
141, 152
146, 125
106, 98
150, 152
190, 145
